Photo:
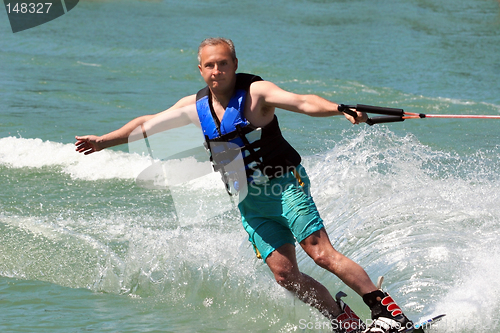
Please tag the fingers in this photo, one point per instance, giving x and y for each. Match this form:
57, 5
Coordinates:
85, 137
85, 148
361, 118
80, 140
351, 118
83, 145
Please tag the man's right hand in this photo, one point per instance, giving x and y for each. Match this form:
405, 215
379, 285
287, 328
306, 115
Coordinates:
87, 144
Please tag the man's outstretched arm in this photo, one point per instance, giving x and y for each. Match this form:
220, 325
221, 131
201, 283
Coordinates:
180, 114
311, 105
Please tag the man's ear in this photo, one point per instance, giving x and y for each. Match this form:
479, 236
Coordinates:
199, 67
236, 64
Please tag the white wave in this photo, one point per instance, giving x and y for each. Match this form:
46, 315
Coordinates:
472, 302
36, 153
424, 218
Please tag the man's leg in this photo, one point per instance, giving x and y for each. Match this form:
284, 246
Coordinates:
320, 249
283, 264
386, 314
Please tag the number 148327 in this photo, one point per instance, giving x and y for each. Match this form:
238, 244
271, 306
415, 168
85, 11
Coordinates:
31, 8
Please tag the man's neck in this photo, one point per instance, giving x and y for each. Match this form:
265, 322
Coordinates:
223, 97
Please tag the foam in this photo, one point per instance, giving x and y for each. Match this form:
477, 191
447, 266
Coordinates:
472, 302
36, 153
424, 218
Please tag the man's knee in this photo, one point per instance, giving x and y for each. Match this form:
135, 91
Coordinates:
326, 259
288, 279
320, 249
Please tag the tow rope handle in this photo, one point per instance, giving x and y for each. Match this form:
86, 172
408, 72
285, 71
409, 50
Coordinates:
394, 115
391, 114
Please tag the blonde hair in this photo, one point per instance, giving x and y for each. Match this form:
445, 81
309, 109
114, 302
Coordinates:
213, 41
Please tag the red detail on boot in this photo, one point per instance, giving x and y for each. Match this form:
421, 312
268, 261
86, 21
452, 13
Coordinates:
392, 307
387, 300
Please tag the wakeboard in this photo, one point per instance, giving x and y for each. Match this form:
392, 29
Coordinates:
424, 325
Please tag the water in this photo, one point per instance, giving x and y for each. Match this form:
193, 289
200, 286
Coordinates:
83, 248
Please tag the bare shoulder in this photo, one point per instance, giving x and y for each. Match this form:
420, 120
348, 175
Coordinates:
186, 105
183, 108
258, 110
263, 88
270, 95
182, 113
185, 101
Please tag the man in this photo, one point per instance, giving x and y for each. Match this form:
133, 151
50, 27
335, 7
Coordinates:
233, 108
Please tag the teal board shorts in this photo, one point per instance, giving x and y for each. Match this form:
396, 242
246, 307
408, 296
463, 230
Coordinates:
279, 212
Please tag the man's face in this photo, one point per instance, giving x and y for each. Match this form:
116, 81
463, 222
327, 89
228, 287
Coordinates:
218, 68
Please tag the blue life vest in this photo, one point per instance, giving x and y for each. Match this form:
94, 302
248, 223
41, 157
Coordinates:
265, 153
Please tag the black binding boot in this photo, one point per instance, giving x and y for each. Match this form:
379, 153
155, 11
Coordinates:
387, 316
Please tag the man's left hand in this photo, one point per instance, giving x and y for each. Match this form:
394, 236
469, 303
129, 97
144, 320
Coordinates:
361, 118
